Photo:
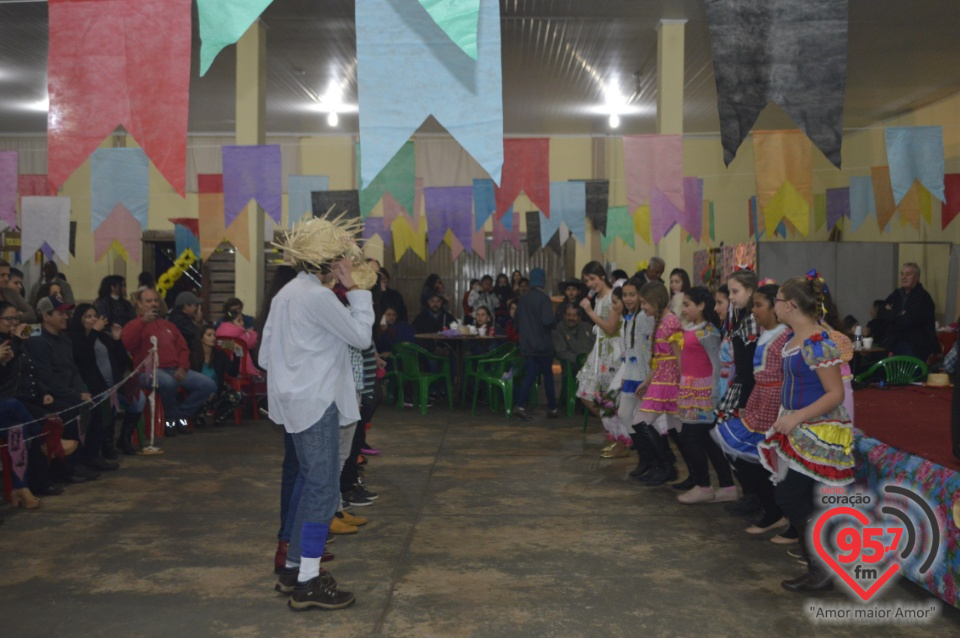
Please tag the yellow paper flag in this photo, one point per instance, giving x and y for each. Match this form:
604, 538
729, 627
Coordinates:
406, 238
819, 211
782, 156
791, 207
641, 223
926, 202
910, 207
883, 195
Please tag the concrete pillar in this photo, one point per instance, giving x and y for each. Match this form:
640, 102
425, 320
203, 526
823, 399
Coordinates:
670, 36
251, 130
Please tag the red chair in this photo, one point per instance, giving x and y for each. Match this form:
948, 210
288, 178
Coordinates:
255, 387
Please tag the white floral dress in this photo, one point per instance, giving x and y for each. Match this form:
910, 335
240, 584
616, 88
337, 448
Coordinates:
604, 360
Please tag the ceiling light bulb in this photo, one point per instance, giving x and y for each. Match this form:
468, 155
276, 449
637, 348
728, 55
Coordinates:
333, 119
614, 120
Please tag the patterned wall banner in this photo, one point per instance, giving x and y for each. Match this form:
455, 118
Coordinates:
793, 52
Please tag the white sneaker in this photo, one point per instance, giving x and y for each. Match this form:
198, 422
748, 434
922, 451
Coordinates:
724, 494
697, 494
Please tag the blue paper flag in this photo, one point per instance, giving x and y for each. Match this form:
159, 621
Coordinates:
184, 238
862, 203
568, 205
915, 153
507, 219
299, 200
409, 69
484, 202
119, 176
782, 229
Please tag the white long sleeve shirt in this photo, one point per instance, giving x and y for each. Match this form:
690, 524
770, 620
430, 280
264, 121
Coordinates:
304, 350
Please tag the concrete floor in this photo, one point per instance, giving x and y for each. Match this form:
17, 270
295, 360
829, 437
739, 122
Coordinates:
485, 527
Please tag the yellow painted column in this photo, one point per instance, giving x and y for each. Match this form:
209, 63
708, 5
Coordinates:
251, 130
670, 36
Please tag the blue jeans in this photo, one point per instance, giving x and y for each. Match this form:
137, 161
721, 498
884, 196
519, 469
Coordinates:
197, 387
288, 484
534, 367
318, 452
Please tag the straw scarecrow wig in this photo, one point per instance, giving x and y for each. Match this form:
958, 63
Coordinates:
316, 243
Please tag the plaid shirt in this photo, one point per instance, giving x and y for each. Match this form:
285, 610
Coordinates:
747, 331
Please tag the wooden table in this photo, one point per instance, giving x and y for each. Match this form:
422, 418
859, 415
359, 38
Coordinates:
458, 344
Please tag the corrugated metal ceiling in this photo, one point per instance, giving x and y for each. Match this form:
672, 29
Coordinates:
558, 57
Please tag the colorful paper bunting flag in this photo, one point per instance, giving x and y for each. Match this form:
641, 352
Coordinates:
119, 176
663, 215
883, 195
951, 206
450, 209
45, 221
479, 244
456, 248
34, 186
120, 230
405, 238
507, 228
346, 203
222, 22
782, 157
692, 218
619, 224
909, 207
653, 162
793, 53
458, 19
790, 206
484, 201
186, 234
837, 205
820, 210
535, 239
212, 230
641, 223
708, 214
598, 203
377, 226
9, 169
569, 203
398, 178
252, 172
915, 153
114, 62
299, 194
526, 168
862, 203
408, 69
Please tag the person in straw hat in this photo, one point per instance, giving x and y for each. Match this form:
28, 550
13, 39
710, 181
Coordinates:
310, 386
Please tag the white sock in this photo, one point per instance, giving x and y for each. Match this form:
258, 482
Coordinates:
309, 569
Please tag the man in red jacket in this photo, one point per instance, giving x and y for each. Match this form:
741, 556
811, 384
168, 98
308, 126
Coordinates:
173, 369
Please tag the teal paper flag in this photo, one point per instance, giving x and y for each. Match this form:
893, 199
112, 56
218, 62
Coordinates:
862, 202
222, 22
458, 19
408, 69
119, 176
398, 178
484, 202
619, 224
915, 153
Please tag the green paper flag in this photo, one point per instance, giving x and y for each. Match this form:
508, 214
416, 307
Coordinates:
458, 19
398, 178
619, 224
222, 22
819, 210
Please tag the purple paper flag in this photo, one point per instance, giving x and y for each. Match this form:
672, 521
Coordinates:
692, 218
18, 451
663, 215
47, 251
9, 169
377, 226
252, 172
838, 205
449, 208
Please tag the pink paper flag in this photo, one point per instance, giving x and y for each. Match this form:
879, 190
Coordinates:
456, 248
501, 233
653, 161
9, 167
120, 228
114, 62
692, 218
479, 244
663, 215
526, 168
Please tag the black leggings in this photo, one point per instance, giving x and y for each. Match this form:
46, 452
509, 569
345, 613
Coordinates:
755, 479
350, 474
794, 495
697, 448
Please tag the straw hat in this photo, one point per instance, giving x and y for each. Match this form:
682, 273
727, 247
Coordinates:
315, 243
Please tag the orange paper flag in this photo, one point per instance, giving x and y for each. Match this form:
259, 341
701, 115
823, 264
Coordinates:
883, 195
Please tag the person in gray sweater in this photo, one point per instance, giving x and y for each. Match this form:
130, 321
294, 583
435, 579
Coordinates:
534, 321
572, 337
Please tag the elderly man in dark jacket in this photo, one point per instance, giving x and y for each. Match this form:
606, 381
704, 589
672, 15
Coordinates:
534, 321
908, 314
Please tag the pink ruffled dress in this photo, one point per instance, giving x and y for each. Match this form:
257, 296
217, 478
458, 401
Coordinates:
659, 405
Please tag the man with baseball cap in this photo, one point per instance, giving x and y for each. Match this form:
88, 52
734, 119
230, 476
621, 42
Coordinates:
187, 315
58, 375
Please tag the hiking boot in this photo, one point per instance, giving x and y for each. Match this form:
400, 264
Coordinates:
353, 497
337, 526
350, 519
320, 592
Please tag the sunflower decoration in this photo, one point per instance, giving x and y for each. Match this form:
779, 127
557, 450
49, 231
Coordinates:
316, 243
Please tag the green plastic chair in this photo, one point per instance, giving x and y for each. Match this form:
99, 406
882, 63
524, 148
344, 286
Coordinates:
393, 383
472, 363
493, 373
898, 370
409, 356
568, 393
